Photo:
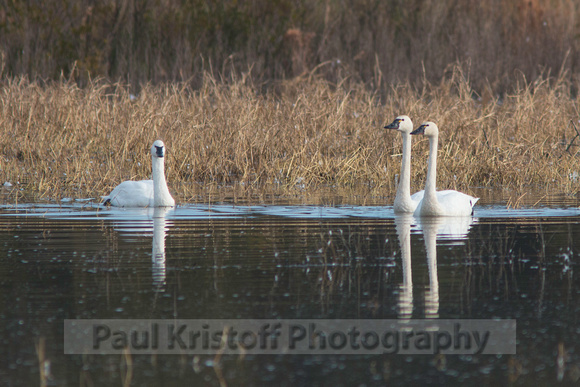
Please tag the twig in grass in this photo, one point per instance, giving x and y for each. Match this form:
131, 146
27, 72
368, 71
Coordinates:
538, 201
483, 129
574, 138
486, 140
515, 204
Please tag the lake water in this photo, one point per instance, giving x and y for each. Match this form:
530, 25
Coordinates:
76, 260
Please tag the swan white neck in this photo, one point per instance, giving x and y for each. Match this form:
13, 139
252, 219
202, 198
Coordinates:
403, 200
430, 205
161, 195
431, 183
404, 189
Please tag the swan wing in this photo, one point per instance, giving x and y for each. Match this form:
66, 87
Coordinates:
452, 201
418, 196
455, 203
449, 203
132, 194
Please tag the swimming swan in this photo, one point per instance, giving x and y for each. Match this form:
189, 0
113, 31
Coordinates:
443, 203
405, 203
144, 193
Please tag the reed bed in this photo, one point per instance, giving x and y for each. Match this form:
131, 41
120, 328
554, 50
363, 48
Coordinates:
296, 137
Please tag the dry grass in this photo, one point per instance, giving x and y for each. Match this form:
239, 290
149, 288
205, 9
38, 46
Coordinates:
59, 140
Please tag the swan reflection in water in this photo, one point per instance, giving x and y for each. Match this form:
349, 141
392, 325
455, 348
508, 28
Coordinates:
403, 226
160, 226
147, 222
433, 229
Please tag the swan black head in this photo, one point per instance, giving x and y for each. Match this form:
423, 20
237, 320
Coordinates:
401, 124
158, 149
428, 128
419, 130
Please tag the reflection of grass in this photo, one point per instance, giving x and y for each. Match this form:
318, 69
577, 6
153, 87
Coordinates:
59, 140
354, 262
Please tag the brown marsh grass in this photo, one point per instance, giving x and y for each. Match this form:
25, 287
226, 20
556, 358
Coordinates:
59, 140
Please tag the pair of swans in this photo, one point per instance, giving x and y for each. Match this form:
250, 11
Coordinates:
145, 193
428, 202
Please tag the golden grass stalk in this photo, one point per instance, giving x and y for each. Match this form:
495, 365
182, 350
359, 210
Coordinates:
58, 140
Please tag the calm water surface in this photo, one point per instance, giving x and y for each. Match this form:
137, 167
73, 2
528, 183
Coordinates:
76, 260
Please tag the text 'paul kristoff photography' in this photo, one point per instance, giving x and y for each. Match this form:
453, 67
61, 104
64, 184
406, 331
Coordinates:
349, 337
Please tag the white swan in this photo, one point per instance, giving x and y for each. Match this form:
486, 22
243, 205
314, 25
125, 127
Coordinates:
144, 193
405, 203
442, 203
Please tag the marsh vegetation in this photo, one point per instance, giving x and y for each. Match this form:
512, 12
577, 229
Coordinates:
60, 140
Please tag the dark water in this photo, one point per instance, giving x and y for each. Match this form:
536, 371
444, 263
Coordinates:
77, 261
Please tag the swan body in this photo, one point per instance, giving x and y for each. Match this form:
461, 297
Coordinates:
145, 193
442, 203
405, 203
